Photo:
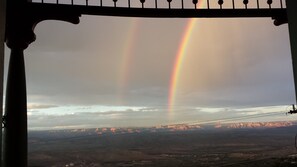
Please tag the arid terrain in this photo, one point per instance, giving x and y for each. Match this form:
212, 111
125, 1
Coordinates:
238, 145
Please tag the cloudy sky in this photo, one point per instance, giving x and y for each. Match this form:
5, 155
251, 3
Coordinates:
113, 71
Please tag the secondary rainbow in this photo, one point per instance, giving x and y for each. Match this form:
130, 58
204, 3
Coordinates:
126, 58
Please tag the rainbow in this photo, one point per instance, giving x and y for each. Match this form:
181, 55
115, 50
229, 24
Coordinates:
179, 59
126, 58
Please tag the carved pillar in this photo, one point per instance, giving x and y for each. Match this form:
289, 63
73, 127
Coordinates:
15, 130
21, 21
19, 35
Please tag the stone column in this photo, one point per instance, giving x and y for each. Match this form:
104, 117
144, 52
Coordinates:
2, 34
19, 35
20, 23
15, 128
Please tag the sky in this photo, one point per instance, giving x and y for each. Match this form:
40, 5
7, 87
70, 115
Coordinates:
118, 72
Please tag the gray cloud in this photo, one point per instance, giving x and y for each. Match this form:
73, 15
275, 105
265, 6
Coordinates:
229, 63
236, 62
40, 106
156, 116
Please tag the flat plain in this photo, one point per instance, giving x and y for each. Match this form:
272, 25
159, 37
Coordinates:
155, 147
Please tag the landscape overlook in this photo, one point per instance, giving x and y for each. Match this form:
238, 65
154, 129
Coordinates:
265, 144
142, 91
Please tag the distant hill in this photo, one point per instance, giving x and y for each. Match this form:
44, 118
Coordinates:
255, 125
165, 128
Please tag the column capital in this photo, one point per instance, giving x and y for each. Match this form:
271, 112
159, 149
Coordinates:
23, 18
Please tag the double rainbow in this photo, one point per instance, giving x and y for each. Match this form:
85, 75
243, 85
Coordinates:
178, 62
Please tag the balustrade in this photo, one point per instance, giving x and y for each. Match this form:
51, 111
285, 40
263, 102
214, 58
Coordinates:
175, 4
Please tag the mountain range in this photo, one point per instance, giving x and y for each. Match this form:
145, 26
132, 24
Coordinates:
172, 128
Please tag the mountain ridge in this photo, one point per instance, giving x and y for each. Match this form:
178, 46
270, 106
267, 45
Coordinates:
176, 128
